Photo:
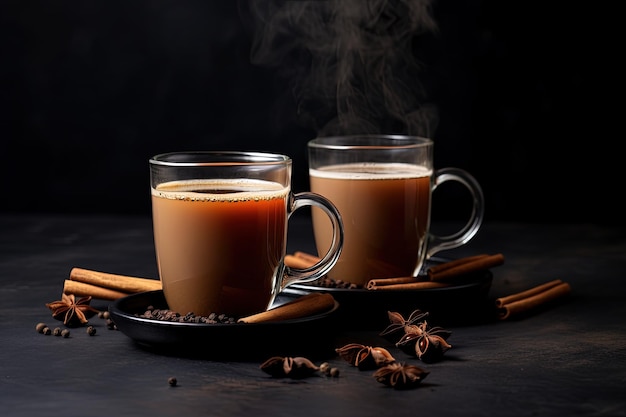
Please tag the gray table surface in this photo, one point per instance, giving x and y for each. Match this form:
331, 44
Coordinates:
564, 361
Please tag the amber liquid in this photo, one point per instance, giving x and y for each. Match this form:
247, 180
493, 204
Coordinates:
219, 244
386, 214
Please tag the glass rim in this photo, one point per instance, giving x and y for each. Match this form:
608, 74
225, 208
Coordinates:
370, 141
218, 158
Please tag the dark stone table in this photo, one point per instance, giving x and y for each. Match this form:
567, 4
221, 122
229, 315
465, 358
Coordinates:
566, 360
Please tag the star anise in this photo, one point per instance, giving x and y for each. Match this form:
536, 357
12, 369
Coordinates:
400, 376
296, 367
401, 325
428, 344
365, 357
71, 311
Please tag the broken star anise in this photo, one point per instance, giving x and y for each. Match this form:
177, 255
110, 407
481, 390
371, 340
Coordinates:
365, 357
399, 325
71, 311
292, 367
400, 376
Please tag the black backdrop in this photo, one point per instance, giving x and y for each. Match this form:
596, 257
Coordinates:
90, 90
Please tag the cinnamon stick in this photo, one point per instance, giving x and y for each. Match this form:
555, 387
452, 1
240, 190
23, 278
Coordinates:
121, 283
525, 301
81, 289
301, 260
452, 264
464, 266
372, 284
304, 306
313, 259
527, 293
294, 262
419, 285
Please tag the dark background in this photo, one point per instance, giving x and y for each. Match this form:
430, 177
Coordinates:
90, 90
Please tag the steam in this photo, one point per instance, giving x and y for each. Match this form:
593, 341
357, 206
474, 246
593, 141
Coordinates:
351, 63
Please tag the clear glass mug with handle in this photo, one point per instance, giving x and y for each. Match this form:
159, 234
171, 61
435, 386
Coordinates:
220, 221
382, 186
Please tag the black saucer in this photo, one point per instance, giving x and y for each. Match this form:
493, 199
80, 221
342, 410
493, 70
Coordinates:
312, 336
463, 303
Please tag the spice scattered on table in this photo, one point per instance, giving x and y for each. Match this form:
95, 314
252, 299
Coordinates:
327, 370
528, 301
291, 367
400, 375
428, 343
106, 286
72, 312
365, 357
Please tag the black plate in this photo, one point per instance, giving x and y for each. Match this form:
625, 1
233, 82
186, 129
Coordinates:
459, 304
310, 336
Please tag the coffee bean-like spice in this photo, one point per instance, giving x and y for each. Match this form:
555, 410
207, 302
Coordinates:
326, 282
169, 315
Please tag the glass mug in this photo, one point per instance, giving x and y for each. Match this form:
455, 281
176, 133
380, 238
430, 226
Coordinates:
382, 186
220, 230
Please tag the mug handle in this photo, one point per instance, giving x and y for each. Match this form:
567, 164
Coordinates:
439, 243
292, 275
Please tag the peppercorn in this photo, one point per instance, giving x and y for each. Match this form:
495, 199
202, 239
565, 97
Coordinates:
65, 333
332, 283
328, 371
172, 381
40, 326
325, 368
46, 330
57, 331
190, 317
111, 324
103, 314
91, 331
